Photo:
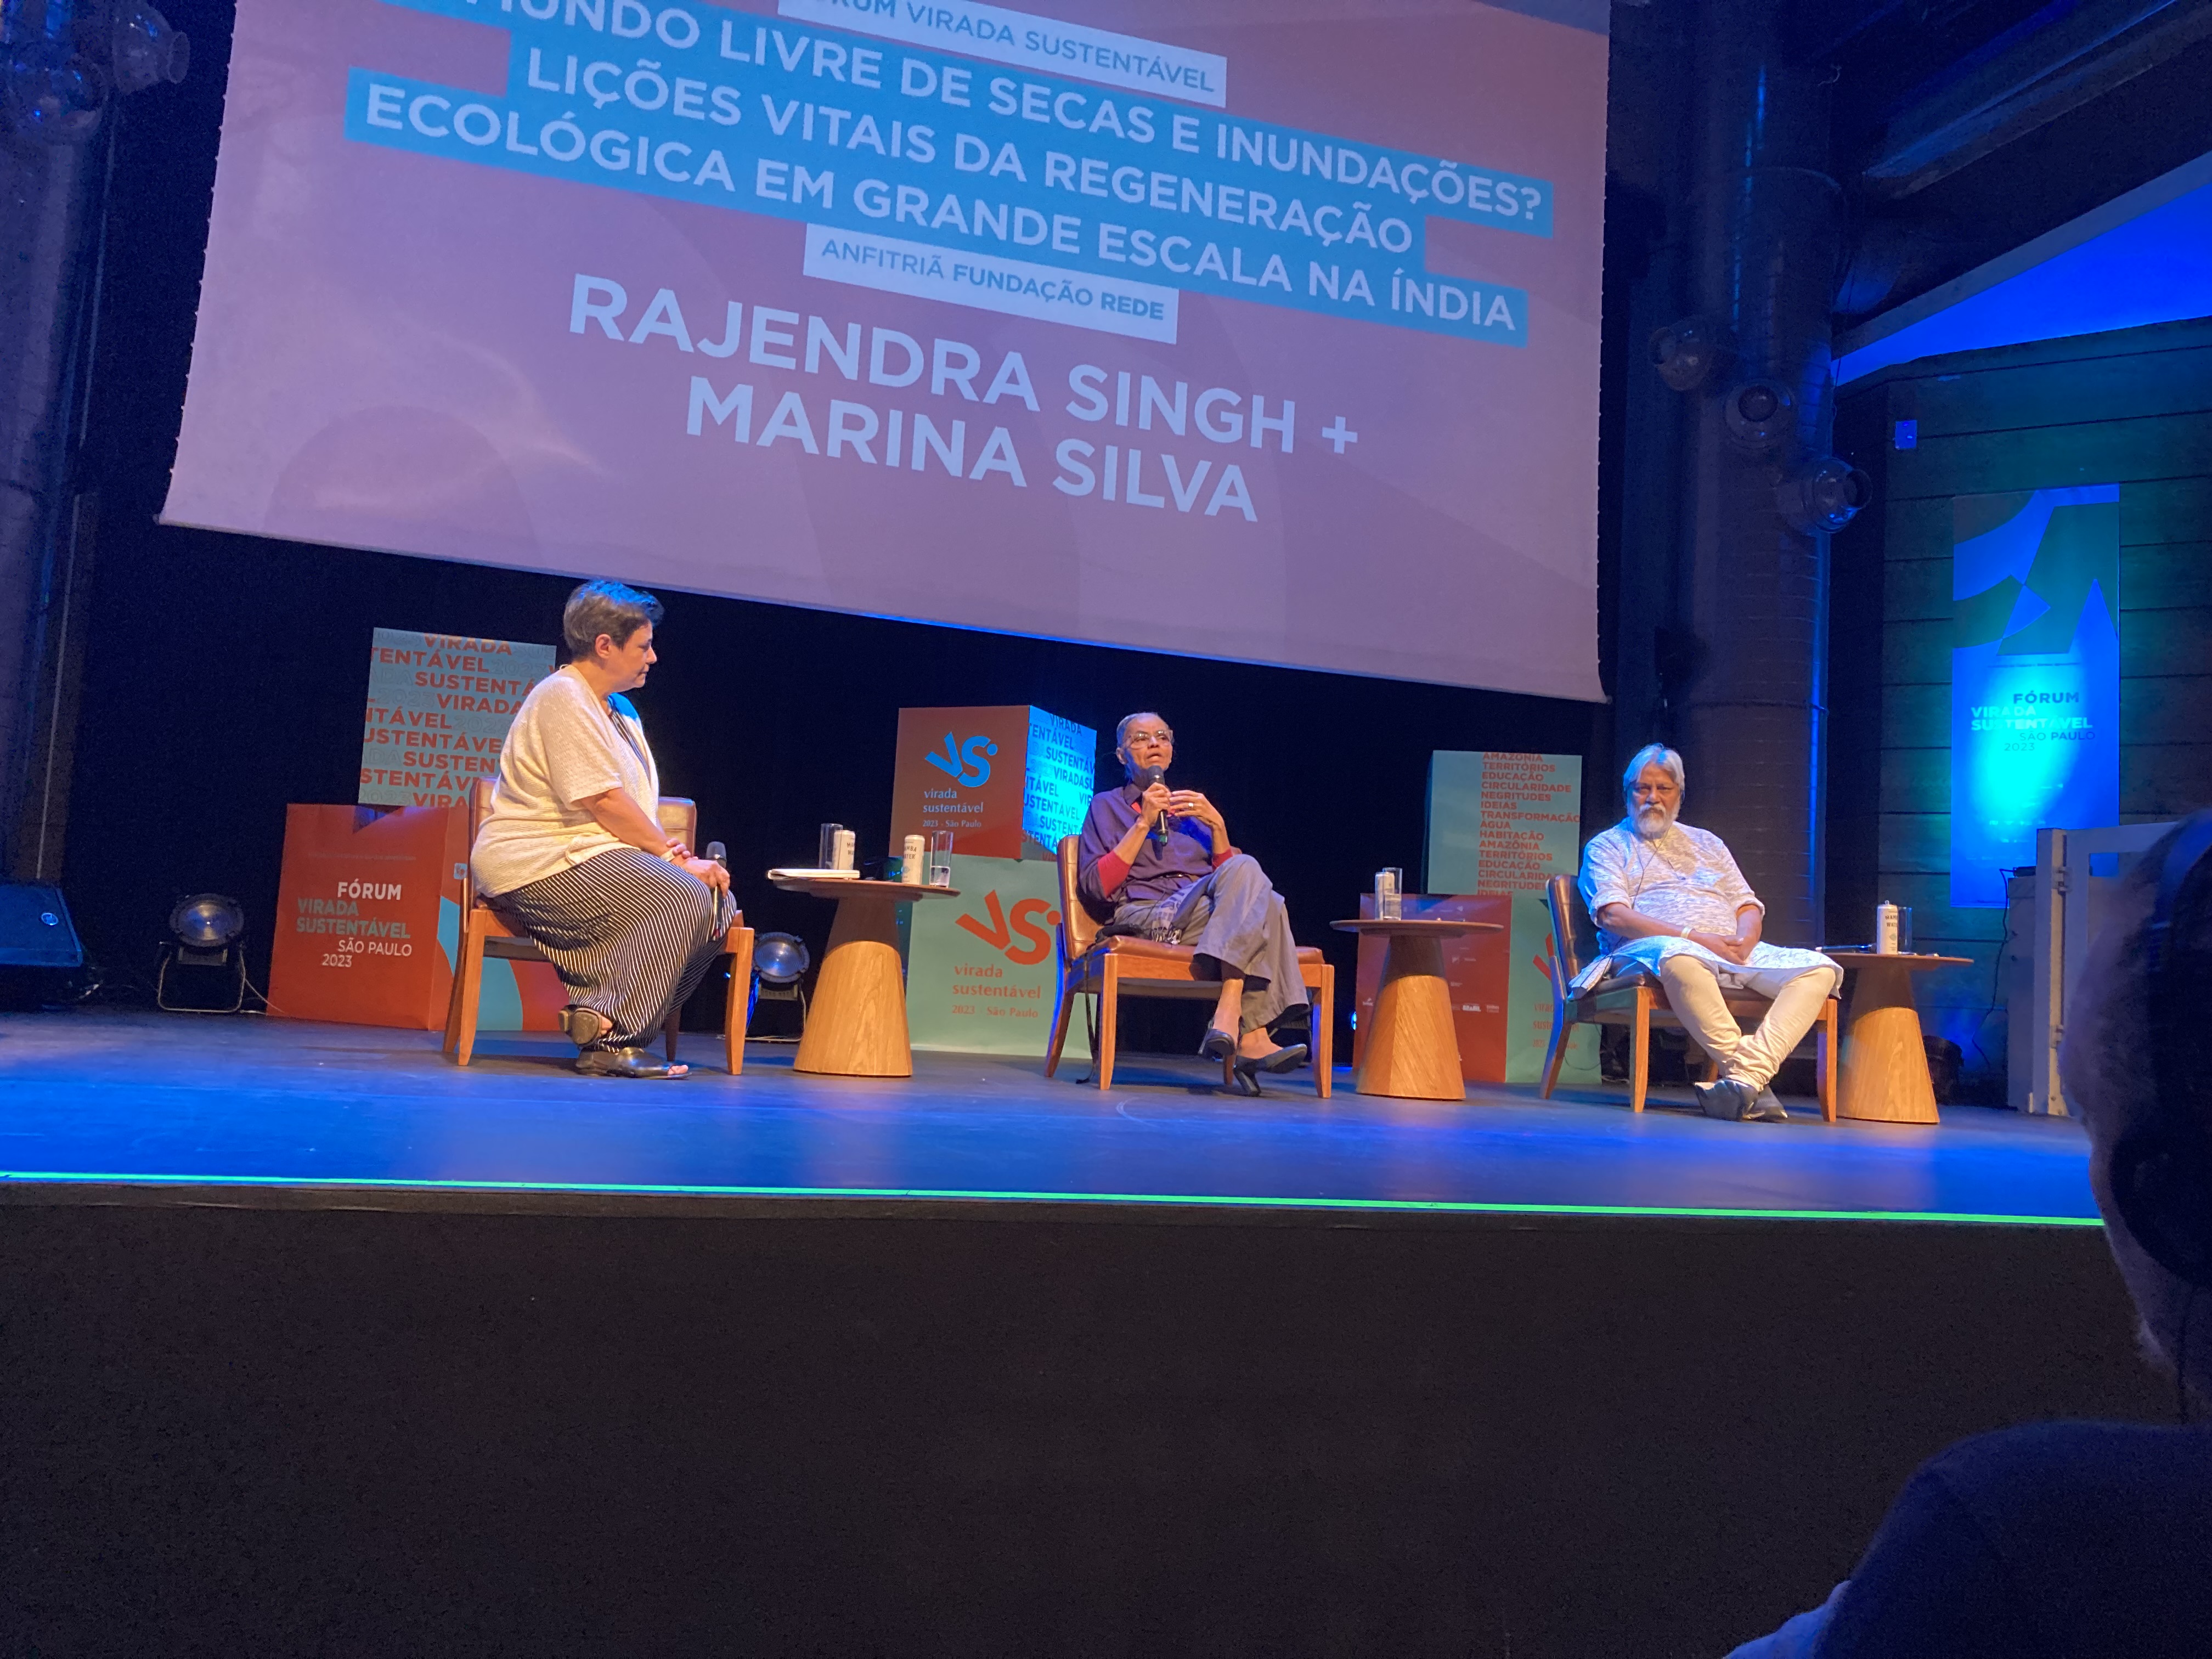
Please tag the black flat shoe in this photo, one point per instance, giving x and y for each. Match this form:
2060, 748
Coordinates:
626, 1062
1215, 1045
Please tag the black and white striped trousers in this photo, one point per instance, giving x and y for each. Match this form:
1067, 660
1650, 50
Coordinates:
630, 935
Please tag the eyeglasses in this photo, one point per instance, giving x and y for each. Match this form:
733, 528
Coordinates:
1161, 736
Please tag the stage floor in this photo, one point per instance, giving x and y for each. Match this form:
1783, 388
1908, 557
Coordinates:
103, 1098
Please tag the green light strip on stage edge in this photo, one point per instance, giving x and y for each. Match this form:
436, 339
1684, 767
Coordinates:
1388, 1206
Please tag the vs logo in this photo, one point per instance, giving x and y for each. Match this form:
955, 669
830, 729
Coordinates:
1030, 919
965, 762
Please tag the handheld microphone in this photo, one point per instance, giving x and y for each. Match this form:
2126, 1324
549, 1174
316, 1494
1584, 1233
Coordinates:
717, 854
1148, 778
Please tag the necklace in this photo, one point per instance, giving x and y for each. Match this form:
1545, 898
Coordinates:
1645, 851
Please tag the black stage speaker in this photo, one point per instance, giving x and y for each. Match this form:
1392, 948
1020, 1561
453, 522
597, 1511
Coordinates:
35, 930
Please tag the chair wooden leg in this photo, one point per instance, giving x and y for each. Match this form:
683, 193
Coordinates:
738, 1003
471, 972
1068, 982
671, 1028
1110, 1008
1825, 1060
1324, 1032
1640, 1051
1555, 1055
454, 996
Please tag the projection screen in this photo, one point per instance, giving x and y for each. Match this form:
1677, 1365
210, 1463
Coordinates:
1263, 330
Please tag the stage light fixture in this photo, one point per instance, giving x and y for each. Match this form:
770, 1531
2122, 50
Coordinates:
779, 962
1761, 414
1689, 354
148, 49
206, 928
61, 60
1824, 497
207, 921
53, 95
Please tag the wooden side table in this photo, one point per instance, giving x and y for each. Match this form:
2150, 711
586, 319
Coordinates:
1413, 1052
856, 1024
1885, 1072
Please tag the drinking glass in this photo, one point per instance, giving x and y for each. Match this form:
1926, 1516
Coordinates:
1390, 893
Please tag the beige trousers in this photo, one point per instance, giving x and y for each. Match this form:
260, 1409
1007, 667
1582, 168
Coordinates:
1694, 994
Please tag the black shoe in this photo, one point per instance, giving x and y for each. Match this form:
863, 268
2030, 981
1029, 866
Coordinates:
1217, 1045
626, 1062
584, 1026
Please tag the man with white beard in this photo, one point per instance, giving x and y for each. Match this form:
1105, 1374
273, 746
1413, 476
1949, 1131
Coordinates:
1669, 899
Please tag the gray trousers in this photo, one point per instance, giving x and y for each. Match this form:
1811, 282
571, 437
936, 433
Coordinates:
1234, 915
630, 935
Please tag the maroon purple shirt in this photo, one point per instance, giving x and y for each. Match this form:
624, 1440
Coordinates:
1158, 871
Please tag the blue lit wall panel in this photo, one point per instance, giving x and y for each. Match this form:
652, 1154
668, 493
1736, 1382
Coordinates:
2035, 677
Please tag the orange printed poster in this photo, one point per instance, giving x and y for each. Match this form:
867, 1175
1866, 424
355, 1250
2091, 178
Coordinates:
1007, 783
368, 925
438, 708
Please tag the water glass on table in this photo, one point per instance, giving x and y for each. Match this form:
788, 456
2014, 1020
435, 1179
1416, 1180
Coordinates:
1390, 893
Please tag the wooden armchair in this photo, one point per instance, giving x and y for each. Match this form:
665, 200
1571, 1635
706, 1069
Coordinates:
1637, 1000
484, 934
1104, 969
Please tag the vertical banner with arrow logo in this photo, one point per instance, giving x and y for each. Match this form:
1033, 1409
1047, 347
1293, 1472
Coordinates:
983, 971
1008, 782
